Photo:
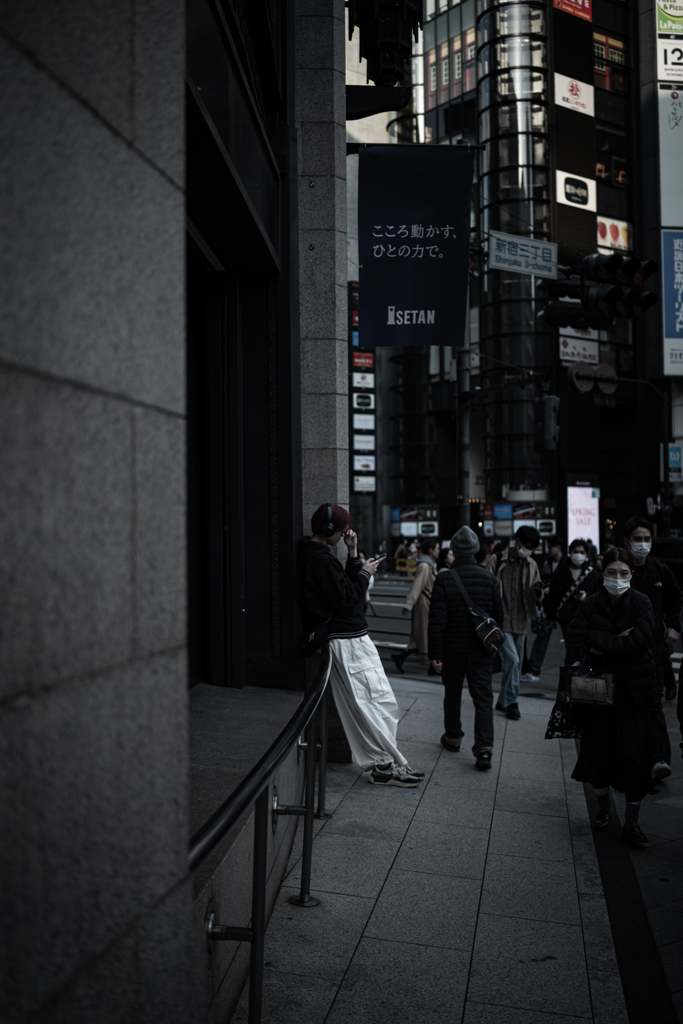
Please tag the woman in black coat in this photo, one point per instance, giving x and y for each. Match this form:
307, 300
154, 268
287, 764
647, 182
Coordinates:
572, 582
612, 632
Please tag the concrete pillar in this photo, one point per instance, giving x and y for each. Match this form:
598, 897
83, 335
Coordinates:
321, 118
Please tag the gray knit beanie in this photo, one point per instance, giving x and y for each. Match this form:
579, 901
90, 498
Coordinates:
465, 542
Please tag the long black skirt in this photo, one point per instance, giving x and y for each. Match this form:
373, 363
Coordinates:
616, 748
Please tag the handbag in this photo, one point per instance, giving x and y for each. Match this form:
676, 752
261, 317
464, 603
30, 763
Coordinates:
540, 624
588, 689
486, 629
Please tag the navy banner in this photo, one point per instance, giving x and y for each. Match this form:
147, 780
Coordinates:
414, 238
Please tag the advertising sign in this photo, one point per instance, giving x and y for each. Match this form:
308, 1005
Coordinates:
575, 350
363, 380
364, 483
414, 238
363, 421
575, 191
675, 464
364, 442
502, 511
669, 15
672, 301
522, 255
363, 400
669, 57
671, 154
364, 359
583, 514
614, 235
364, 463
574, 95
580, 8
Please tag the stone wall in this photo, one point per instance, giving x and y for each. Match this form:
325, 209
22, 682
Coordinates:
96, 916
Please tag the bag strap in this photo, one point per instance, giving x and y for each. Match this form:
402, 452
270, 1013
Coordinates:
573, 587
462, 589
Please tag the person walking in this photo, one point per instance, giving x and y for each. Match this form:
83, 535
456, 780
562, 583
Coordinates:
456, 652
543, 625
445, 560
522, 590
572, 582
655, 579
612, 632
417, 604
332, 596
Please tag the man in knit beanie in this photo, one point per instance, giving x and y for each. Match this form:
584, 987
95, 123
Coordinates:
454, 648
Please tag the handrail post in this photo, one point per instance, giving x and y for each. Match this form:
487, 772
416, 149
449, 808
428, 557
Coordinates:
304, 899
322, 770
258, 906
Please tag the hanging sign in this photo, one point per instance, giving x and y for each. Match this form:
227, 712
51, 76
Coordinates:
672, 301
414, 240
522, 255
580, 8
574, 95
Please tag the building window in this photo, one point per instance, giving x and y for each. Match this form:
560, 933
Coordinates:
458, 65
609, 61
432, 78
445, 73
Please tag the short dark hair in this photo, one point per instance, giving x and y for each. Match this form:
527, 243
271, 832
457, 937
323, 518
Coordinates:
578, 542
634, 523
427, 545
482, 553
340, 517
528, 536
617, 555
554, 541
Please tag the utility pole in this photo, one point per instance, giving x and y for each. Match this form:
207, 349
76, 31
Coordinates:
463, 508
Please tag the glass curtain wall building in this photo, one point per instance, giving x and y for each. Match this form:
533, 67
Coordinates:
514, 183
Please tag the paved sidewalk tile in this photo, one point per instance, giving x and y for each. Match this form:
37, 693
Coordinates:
531, 767
289, 999
530, 835
607, 998
538, 798
488, 1013
349, 865
440, 849
521, 887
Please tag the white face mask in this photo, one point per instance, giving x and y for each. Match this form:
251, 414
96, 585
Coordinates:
640, 549
616, 587
524, 552
577, 558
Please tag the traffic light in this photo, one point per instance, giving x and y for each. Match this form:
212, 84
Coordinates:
603, 286
546, 429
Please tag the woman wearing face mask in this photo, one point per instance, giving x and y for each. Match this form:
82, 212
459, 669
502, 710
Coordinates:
612, 632
572, 582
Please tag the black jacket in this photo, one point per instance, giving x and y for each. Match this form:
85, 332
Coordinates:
561, 582
656, 580
598, 623
328, 589
451, 630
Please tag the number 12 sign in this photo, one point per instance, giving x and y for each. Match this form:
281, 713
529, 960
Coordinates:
670, 58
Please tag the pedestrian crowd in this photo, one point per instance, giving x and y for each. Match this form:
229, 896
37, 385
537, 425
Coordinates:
618, 613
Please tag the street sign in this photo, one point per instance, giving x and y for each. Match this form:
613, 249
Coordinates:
522, 255
574, 349
672, 301
414, 244
675, 464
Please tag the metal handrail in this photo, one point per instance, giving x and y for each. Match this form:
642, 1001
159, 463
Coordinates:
254, 791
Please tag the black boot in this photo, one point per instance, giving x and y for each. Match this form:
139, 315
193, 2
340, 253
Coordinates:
398, 660
603, 818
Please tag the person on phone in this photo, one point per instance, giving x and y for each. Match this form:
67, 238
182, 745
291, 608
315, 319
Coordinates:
522, 590
654, 578
612, 632
332, 593
542, 641
572, 582
416, 604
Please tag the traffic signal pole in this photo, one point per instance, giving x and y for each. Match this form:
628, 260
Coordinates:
463, 499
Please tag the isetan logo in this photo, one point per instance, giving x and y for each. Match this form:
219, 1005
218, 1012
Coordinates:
409, 316
576, 191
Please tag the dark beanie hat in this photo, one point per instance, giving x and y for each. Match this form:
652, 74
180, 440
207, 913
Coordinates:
465, 542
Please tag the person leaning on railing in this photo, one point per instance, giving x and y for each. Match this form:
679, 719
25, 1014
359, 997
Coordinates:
333, 595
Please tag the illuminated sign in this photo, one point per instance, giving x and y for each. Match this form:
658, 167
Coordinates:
583, 514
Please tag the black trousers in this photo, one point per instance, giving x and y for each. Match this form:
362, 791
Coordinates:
661, 744
479, 669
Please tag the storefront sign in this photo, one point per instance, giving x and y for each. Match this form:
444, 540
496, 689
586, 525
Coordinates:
364, 483
583, 514
522, 255
575, 191
361, 421
614, 235
364, 442
414, 239
675, 464
669, 58
671, 154
363, 400
669, 14
574, 95
363, 380
672, 301
503, 511
364, 359
580, 8
575, 350
364, 463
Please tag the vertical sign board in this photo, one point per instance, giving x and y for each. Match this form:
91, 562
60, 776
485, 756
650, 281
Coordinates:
672, 301
669, 27
414, 239
583, 514
671, 153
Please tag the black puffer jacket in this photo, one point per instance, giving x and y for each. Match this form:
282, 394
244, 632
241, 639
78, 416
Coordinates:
451, 632
330, 590
656, 580
598, 623
561, 583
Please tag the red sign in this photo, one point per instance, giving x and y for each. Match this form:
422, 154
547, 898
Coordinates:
354, 317
488, 511
579, 8
364, 359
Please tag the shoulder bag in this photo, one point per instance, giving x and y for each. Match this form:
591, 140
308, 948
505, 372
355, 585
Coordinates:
486, 629
588, 689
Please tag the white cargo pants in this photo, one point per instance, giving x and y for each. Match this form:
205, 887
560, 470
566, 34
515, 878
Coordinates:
365, 701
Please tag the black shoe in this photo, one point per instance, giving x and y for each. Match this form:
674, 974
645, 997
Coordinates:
499, 706
451, 743
398, 660
483, 759
670, 692
601, 821
512, 711
633, 834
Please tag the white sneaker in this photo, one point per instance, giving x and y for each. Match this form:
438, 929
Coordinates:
661, 770
528, 677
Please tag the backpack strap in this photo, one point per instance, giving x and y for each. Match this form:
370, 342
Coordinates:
461, 587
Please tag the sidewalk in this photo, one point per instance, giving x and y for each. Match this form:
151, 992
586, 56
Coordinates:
475, 898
